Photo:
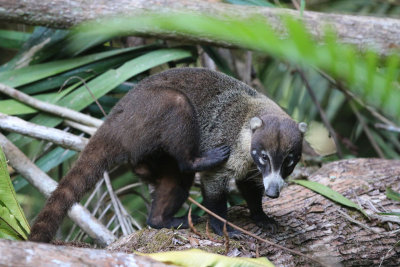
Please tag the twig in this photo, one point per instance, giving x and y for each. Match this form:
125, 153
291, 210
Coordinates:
253, 235
338, 85
384, 256
115, 204
206, 60
390, 128
191, 226
209, 235
367, 131
226, 236
86, 129
46, 185
321, 112
56, 136
345, 215
295, 4
50, 108
88, 89
248, 66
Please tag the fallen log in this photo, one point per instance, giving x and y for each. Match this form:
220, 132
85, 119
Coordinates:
362, 31
27, 254
309, 222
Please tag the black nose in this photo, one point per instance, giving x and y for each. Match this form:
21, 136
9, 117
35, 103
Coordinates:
272, 191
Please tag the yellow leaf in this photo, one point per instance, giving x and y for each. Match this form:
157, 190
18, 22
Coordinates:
199, 258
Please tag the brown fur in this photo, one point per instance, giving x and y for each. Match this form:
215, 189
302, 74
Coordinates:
172, 125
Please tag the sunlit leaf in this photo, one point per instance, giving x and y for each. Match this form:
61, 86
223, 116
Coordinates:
197, 258
10, 210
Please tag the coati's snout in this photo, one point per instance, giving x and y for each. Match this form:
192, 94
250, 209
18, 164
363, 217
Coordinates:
276, 146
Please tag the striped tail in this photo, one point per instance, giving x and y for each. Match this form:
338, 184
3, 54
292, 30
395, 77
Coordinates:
96, 158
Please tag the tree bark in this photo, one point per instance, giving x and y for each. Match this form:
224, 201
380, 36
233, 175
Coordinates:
14, 253
308, 222
363, 31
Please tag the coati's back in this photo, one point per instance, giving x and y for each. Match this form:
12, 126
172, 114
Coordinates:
198, 118
222, 104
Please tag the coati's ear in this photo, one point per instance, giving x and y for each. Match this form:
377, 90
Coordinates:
303, 127
255, 123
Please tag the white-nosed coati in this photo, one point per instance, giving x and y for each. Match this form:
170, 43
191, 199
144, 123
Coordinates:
179, 122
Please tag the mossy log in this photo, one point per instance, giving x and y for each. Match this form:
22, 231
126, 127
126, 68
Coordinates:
309, 222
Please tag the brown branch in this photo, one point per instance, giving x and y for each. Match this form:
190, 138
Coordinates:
321, 112
363, 31
253, 235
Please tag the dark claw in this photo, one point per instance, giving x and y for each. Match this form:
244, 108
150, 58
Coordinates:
266, 223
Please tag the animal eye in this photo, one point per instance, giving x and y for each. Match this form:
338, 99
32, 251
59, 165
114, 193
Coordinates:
289, 160
264, 156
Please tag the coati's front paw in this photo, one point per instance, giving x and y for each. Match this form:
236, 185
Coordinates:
209, 159
218, 154
265, 222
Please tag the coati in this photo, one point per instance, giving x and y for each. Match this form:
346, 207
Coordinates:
177, 123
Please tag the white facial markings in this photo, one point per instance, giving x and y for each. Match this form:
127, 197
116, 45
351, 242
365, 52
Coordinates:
273, 178
254, 152
262, 162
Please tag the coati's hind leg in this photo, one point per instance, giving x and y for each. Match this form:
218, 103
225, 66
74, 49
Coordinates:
166, 121
181, 135
171, 189
252, 191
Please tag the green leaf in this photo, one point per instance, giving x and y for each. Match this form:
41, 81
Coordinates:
363, 72
18, 77
12, 39
9, 224
197, 257
10, 211
41, 45
329, 193
391, 194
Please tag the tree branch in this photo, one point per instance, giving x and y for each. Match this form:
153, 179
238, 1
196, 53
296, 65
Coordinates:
363, 31
46, 185
64, 139
24, 254
50, 108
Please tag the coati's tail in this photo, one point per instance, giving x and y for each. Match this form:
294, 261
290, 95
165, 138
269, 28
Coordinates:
88, 169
